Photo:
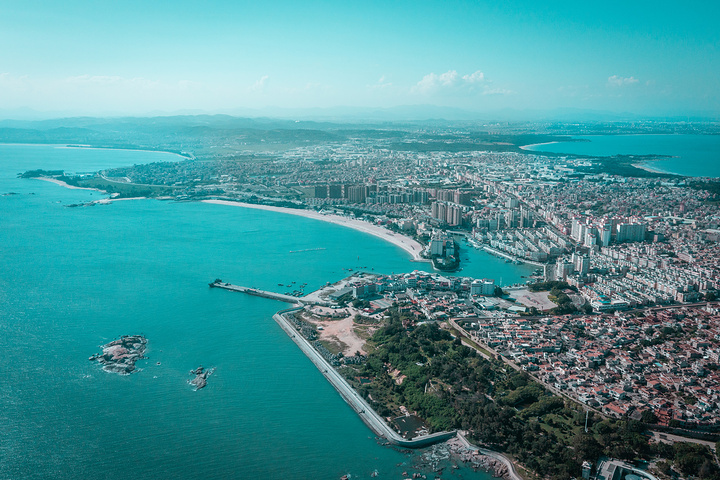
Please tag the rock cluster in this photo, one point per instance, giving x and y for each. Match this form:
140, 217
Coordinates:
201, 375
119, 356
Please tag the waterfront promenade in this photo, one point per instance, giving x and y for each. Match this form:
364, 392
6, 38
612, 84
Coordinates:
361, 407
512, 473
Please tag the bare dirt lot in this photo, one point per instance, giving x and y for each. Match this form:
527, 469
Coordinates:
338, 327
538, 300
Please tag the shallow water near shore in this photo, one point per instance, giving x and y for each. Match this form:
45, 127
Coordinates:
75, 278
691, 155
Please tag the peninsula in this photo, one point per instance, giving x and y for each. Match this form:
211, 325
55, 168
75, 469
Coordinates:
417, 357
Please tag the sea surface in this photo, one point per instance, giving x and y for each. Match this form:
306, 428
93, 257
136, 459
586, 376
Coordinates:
691, 155
72, 279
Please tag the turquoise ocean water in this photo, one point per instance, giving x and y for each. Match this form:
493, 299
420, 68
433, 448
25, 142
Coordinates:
692, 155
72, 279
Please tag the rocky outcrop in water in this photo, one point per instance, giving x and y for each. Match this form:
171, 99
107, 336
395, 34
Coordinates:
201, 376
119, 356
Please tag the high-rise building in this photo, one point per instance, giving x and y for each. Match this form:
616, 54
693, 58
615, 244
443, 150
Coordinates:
321, 191
581, 264
463, 198
483, 287
335, 191
437, 245
630, 232
605, 233
562, 270
356, 193
526, 217
453, 215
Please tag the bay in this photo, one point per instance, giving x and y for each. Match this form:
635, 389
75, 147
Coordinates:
72, 279
691, 155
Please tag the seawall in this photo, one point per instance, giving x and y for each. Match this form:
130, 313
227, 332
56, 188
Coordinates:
361, 407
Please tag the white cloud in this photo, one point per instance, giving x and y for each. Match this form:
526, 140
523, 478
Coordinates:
475, 77
618, 81
381, 83
259, 86
450, 80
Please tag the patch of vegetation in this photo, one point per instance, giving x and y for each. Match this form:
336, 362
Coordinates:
550, 285
450, 386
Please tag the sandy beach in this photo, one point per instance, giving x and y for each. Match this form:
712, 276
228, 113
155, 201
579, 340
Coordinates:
104, 201
648, 168
66, 185
406, 243
528, 147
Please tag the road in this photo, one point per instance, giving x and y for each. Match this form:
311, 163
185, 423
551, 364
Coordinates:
670, 438
464, 335
512, 472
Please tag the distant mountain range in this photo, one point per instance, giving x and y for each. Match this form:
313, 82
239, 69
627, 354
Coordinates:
404, 113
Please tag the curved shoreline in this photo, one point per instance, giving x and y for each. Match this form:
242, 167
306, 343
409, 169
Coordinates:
528, 147
408, 244
67, 185
92, 147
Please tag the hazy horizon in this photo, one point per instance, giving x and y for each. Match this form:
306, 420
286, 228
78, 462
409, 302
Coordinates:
91, 58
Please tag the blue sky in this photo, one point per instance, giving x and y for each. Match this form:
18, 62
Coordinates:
98, 57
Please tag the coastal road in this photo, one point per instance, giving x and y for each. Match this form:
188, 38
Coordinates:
512, 472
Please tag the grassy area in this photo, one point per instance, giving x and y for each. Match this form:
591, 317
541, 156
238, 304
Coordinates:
335, 347
562, 426
127, 190
363, 332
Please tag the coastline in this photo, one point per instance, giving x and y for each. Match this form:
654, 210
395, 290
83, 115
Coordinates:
375, 422
67, 185
91, 147
528, 147
408, 244
648, 168
366, 413
103, 201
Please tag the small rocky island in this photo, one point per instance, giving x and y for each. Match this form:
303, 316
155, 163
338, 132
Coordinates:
119, 356
201, 375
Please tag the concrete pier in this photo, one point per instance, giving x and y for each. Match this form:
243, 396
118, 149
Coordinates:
258, 293
374, 421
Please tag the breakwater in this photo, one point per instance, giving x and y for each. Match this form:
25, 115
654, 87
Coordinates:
258, 293
374, 421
